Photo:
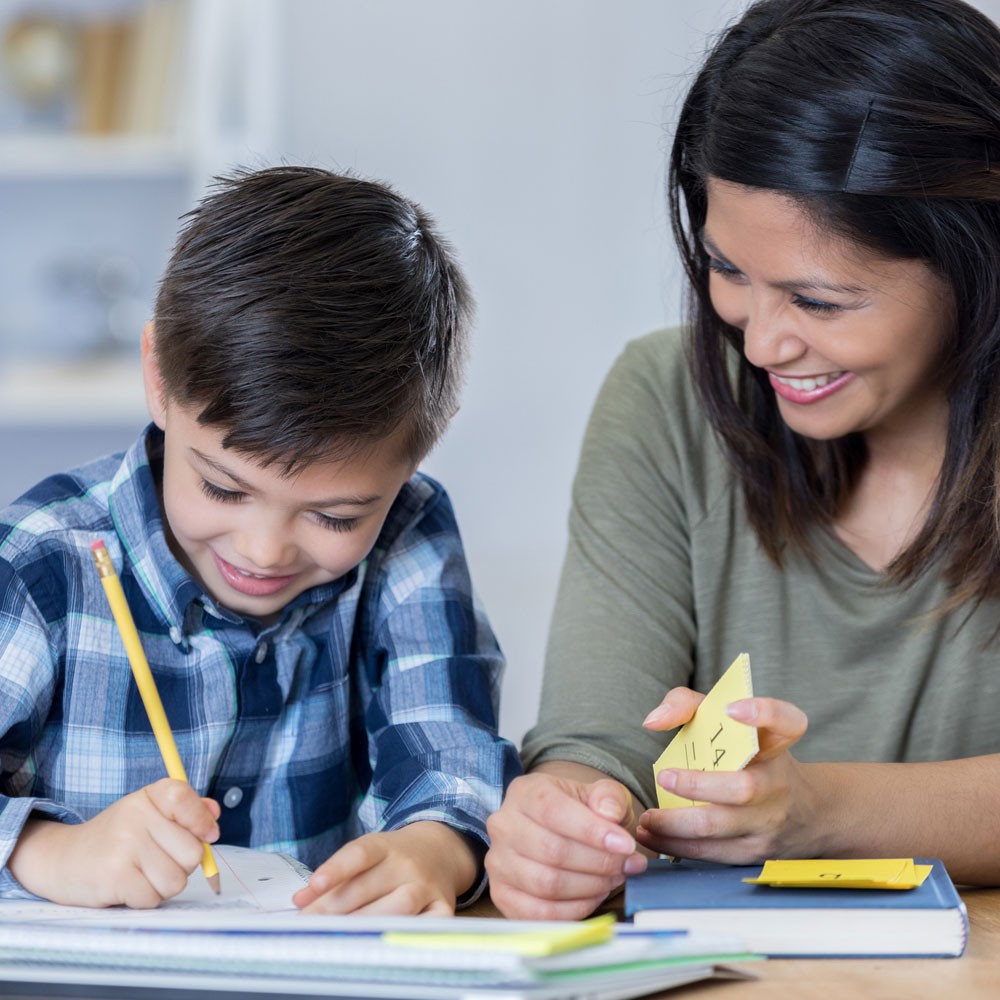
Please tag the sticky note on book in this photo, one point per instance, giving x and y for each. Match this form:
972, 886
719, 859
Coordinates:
712, 741
862, 873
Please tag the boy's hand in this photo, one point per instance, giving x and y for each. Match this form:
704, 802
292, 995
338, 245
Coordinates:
764, 811
420, 868
137, 852
560, 843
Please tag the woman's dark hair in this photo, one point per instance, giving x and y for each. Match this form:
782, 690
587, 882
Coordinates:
311, 314
881, 120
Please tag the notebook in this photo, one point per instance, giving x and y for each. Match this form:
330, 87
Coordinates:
251, 942
704, 898
340, 957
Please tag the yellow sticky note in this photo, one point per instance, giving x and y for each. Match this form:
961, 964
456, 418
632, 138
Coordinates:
856, 873
532, 944
712, 741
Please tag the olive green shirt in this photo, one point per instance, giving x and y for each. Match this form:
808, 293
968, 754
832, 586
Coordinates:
664, 584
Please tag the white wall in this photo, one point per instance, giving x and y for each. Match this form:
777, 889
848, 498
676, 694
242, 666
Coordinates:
534, 131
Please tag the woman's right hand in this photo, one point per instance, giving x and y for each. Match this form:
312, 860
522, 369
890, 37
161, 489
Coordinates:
560, 843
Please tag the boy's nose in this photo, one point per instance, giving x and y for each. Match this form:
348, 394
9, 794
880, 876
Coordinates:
265, 549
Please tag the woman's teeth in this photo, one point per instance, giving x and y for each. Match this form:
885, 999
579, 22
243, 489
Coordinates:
808, 384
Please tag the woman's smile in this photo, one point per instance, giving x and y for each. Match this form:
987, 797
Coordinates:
805, 390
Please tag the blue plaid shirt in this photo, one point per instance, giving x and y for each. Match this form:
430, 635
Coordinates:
370, 704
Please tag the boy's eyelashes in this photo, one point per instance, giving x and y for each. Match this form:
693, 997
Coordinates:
214, 492
328, 521
335, 523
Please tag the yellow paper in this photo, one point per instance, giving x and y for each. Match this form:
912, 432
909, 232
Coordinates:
866, 873
712, 741
532, 944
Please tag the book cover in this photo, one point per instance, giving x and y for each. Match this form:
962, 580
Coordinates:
101, 47
151, 68
700, 897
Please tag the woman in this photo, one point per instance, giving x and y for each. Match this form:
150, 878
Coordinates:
810, 474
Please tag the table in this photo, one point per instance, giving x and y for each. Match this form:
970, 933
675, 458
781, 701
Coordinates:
974, 976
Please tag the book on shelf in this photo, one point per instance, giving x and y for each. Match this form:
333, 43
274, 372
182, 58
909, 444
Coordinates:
130, 69
704, 898
152, 64
251, 941
101, 43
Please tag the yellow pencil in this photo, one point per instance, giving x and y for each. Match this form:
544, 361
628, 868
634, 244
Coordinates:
147, 686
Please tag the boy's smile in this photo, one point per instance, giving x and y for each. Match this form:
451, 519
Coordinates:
251, 584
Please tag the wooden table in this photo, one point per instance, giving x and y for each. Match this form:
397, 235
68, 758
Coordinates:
974, 976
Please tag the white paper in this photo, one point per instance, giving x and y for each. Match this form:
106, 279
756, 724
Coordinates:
249, 882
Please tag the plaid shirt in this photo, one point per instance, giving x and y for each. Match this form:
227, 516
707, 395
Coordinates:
372, 703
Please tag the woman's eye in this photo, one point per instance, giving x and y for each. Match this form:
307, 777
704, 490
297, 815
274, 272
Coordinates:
815, 305
336, 523
214, 492
725, 270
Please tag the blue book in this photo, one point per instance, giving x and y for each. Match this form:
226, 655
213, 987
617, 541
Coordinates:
703, 898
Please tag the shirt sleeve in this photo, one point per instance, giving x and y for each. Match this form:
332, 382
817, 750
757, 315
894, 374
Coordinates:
435, 668
623, 628
28, 672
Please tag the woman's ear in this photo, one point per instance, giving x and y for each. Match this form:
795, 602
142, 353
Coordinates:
152, 380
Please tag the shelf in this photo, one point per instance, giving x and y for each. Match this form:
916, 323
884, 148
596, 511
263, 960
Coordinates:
26, 157
82, 393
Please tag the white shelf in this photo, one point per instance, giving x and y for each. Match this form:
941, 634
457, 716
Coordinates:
77, 394
56, 156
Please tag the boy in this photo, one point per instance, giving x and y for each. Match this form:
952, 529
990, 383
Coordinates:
301, 592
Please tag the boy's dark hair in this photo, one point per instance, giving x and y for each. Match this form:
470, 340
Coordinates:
881, 120
310, 314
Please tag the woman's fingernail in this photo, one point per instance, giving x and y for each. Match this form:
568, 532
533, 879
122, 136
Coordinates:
635, 864
610, 809
667, 780
619, 842
741, 711
658, 714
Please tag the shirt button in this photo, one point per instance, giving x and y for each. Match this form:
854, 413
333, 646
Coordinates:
175, 635
233, 797
261, 653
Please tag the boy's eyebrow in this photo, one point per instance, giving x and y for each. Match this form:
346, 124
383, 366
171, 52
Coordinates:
796, 284
361, 500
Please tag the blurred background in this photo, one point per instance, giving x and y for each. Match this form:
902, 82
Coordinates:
534, 131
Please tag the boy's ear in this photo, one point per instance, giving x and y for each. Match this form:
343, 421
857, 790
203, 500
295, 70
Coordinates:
156, 398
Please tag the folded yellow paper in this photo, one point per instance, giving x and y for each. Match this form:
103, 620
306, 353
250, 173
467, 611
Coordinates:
712, 741
864, 873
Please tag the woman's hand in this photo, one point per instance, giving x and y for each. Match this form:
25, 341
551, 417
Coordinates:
560, 843
764, 811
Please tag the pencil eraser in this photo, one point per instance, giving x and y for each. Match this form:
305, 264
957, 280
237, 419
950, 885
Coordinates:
96, 546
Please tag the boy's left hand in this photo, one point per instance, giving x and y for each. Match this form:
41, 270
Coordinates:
420, 868
763, 811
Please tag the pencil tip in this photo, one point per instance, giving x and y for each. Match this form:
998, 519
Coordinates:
213, 881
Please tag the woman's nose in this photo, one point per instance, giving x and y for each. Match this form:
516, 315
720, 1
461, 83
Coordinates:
770, 335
